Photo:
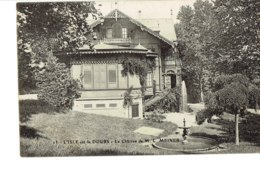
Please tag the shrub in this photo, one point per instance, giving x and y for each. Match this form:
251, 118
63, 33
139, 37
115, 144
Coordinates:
249, 128
254, 96
155, 116
202, 115
168, 102
56, 85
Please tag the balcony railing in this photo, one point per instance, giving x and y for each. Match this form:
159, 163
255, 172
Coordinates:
170, 62
117, 40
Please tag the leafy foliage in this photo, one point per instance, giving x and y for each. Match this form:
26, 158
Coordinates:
128, 98
254, 96
230, 95
195, 32
43, 27
56, 85
168, 102
218, 37
249, 128
202, 115
139, 67
155, 116
238, 37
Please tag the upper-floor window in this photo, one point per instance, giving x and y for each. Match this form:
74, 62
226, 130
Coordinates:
124, 32
117, 30
149, 79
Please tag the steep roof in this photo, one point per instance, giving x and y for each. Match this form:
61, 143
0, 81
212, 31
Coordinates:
165, 27
118, 14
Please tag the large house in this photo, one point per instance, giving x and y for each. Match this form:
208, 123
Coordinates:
119, 37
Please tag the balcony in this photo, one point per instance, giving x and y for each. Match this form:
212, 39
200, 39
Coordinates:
123, 41
170, 62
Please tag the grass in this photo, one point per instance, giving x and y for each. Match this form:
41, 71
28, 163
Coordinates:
46, 134
219, 132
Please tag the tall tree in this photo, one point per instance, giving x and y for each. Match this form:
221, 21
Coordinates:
41, 27
196, 31
238, 41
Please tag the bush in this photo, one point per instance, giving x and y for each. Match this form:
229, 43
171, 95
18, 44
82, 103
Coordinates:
202, 115
169, 101
56, 85
156, 116
254, 96
249, 128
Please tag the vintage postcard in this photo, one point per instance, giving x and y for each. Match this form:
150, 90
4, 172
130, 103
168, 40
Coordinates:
132, 77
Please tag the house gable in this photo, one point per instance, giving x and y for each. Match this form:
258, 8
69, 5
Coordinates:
116, 16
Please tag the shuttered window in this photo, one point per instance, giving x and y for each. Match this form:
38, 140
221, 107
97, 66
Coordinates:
112, 75
117, 30
100, 76
87, 77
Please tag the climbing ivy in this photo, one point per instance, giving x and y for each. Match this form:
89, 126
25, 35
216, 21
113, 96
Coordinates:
139, 67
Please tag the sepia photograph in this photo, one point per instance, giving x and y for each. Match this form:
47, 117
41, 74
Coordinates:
126, 77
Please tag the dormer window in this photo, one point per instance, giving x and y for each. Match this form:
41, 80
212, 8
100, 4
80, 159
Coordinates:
117, 30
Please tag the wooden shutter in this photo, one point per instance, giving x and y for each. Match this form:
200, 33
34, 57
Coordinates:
117, 31
99, 76
87, 77
135, 110
112, 75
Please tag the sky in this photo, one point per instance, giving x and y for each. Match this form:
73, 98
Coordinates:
149, 9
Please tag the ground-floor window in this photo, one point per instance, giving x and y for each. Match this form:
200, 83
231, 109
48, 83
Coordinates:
100, 76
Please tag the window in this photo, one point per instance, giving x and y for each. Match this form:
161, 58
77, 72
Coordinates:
117, 30
87, 76
100, 105
100, 76
112, 75
124, 32
87, 105
112, 105
109, 33
149, 79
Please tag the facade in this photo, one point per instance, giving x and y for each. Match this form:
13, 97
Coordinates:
119, 37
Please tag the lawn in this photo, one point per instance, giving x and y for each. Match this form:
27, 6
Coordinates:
55, 134
216, 131
45, 132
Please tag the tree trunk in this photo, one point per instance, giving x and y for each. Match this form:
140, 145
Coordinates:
237, 130
200, 85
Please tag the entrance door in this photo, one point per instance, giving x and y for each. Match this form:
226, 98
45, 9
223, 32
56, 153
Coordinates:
135, 110
173, 80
